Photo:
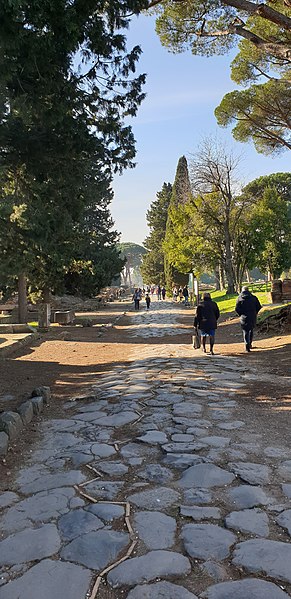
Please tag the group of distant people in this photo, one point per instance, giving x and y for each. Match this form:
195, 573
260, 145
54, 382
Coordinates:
147, 293
181, 294
207, 315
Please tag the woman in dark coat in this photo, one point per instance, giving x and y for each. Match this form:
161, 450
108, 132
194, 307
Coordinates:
207, 315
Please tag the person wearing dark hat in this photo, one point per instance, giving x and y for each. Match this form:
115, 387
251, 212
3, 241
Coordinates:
247, 307
207, 315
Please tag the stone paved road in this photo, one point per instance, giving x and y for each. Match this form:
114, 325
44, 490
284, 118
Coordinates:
163, 463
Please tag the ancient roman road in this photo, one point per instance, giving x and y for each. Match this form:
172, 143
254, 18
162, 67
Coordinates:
162, 472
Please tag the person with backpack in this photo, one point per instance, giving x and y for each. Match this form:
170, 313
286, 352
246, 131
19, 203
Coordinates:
247, 307
207, 315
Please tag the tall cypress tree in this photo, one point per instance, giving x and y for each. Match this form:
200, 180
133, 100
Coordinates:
180, 195
152, 268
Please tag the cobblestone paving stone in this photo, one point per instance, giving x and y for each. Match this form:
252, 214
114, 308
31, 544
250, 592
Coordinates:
161, 465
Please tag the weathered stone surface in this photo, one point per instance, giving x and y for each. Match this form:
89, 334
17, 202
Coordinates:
148, 567
106, 511
153, 438
161, 497
277, 452
157, 530
249, 588
106, 490
230, 426
26, 411
182, 438
197, 496
95, 549
78, 522
29, 545
200, 513
207, 541
52, 481
8, 498
43, 392
155, 473
254, 521
215, 570
103, 450
273, 558
112, 468
187, 408
131, 450
41, 507
182, 460
205, 476
49, 579
4, 439
254, 474
285, 470
287, 490
182, 447
246, 496
37, 405
285, 520
119, 419
160, 590
215, 441
11, 424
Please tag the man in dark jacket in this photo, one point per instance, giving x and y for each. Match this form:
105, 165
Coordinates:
207, 315
247, 307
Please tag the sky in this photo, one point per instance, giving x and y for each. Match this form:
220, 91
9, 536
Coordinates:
182, 92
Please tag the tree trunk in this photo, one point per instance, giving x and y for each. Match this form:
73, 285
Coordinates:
217, 278
44, 310
22, 298
221, 277
248, 275
228, 261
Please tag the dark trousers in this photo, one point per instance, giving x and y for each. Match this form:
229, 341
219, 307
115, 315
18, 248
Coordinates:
248, 337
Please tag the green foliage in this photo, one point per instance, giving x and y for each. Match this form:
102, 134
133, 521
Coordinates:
261, 114
210, 27
66, 84
175, 271
153, 262
270, 226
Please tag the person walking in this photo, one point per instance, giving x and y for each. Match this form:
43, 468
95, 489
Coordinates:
148, 301
136, 298
175, 294
186, 295
207, 315
159, 292
247, 307
163, 292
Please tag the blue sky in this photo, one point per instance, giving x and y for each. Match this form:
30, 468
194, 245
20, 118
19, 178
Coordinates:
182, 93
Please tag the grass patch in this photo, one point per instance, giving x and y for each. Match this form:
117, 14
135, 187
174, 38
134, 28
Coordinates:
271, 311
226, 303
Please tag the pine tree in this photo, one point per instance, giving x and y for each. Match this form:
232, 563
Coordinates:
153, 268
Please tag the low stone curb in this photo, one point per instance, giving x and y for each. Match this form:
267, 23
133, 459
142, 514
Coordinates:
5, 352
12, 423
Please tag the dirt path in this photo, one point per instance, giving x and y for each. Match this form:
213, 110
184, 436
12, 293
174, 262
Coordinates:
68, 358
